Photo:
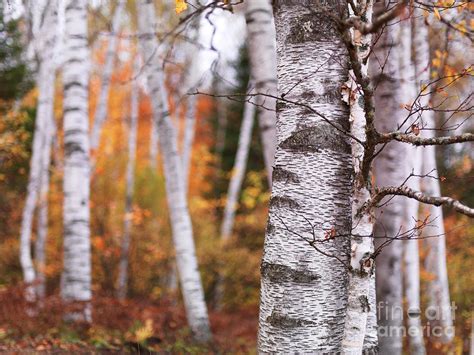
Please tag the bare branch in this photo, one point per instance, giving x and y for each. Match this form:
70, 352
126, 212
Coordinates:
421, 141
419, 196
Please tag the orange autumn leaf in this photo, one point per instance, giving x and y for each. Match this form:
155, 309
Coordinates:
180, 6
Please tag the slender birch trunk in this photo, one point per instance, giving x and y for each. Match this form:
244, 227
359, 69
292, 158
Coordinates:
76, 278
238, 171
435, 262
262, 55
44, 43
188, 139
42, 231
412, 163
221, 112
190, 279
191, 82
389, 172
103, 101
304, 292
132, 146
357, 331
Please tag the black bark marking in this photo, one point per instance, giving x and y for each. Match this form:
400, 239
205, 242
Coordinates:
281, 201
313, 139
277, 273
280, 174
364, 303
311, 28
279, 320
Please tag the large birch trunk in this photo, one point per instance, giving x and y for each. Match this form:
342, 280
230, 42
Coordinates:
102, 105
190, 279
76, 278
389, 172
44, 44
435, 262
304, 292
132, 147
238, 171
262, 55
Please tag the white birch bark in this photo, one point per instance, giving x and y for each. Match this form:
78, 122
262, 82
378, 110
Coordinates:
238, 171
303, 292
389, 172
42, 230
43, 43
435, 262
362, 244
192, 64
412, 163
103, 101
262, 55
188, 139
190, 279
76, 278
132, 146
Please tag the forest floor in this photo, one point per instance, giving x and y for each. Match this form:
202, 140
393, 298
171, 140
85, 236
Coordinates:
131, 326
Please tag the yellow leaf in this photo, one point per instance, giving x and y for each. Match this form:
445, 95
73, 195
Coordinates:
181, 6
438, 16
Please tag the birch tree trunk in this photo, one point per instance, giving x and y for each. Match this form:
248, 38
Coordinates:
42, 232
132, 147
358, 333
188, 139
102, 105
76, 278
238, 171
412, 163
191, 84
190, 279
304, 292
262, 55
44, 44
389, 172
435, 262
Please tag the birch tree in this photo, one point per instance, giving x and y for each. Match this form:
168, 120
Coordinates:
389, 172
262, 55
43, 43
101, 109
76, 278
303, 292
130, 183
190, 280
435, 262
238, 170
412, 162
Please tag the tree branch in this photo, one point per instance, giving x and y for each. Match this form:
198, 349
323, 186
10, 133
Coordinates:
419, 196
420, 141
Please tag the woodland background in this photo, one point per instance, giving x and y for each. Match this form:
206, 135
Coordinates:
152, 316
